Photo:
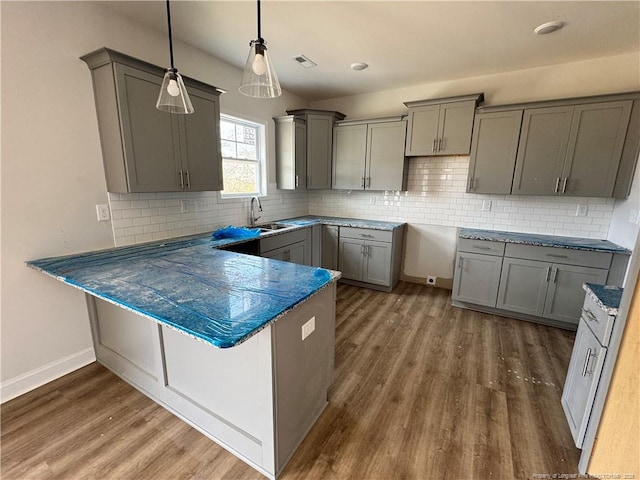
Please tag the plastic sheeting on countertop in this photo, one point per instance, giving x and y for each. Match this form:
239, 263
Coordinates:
540, 240
231, 231
218, 296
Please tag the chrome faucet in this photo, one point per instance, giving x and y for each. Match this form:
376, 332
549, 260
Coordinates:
254, 219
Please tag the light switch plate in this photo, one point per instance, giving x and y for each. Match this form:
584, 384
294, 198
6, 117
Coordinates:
486, 205
581, 211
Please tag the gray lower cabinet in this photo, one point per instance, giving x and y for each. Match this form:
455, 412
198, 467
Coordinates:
292, 247
330, 247
581, 383
144, 149
258, 399
477, 278
318, 144
369, 155
494, 146
370, 258
441, 126
542, 284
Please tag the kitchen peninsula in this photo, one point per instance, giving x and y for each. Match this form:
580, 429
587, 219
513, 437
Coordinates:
240, 347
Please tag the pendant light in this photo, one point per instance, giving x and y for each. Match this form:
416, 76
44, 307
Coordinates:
259, 79
173, 96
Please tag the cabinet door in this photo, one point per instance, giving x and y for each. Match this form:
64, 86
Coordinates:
150, 137
565, 296
494, 146
277, 254
319, 139
351, 258
349, 152
298, 253
377, 263
581, 382
422, 130
542, 150
523, 285
330, 247
476, 278
291, 153
597, 137
454, 127
385, 156
300, 156
200, 143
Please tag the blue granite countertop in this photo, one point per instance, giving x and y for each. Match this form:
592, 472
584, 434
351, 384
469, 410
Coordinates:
575, 243
341, 222
606, 296
216, 296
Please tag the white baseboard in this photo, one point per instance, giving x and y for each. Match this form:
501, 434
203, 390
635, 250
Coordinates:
26, 382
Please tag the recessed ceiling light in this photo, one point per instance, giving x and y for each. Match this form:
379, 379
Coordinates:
548, 27
359, 66
305, 61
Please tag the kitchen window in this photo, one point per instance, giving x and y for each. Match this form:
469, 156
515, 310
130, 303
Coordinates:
243, 157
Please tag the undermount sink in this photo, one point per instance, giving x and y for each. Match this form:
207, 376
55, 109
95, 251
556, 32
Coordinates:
270, 227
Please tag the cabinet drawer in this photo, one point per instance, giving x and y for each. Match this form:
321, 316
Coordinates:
366, 234
597, 319
584, 258
485, 247
282, 240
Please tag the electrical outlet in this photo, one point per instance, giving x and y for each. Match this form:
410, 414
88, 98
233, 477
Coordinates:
431, 280
581, 211
308, 327
104, 215
486, 205
184, 206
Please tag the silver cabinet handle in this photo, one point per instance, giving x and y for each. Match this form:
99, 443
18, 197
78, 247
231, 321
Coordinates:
433, 147
586, 363
480, 247
564, 185
368, 182
546, 276
460, 263
188, 180
366, 235
556, 255
362, 182
181, 180
554, 275
557, 185
297, 181
440, 144
589, 315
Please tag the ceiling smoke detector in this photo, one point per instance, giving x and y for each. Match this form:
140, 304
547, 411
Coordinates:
548, 27
305, 62
359, 66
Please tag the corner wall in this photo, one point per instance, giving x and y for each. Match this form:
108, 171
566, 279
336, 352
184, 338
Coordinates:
52, 174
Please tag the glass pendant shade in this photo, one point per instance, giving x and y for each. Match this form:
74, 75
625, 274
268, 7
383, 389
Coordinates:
173, 96
259, 79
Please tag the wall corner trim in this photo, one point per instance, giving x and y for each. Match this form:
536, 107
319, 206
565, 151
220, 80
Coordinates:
26, 382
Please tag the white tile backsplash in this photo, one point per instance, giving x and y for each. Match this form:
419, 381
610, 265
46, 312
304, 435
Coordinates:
436, 196
144, 217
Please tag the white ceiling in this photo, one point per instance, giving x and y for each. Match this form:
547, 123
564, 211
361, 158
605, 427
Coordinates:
404, 42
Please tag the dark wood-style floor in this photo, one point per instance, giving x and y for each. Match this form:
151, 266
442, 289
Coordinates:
422, 390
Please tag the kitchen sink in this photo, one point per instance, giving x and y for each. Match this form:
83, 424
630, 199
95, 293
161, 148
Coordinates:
270, 227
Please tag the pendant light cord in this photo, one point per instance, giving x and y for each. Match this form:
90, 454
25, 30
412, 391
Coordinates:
259, 30
170, 37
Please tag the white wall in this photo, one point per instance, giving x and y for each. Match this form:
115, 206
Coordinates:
626, 217
52, 169
436, 203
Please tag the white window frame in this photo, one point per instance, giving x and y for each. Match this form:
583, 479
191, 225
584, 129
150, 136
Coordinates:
262, 157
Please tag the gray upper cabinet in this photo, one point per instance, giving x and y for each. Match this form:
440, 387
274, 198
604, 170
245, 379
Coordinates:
441, 126
291, 152
369, 154
541, 152
319, 142
579, 147
144, 149
595, 146
494, 146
